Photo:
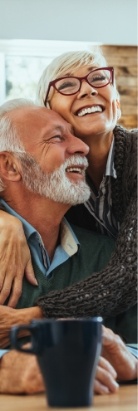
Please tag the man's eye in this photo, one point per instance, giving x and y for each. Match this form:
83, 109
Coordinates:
55, 139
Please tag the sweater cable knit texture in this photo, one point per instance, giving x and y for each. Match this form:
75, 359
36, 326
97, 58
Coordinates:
114, 289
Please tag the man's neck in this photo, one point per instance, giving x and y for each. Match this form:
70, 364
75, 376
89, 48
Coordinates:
43, 214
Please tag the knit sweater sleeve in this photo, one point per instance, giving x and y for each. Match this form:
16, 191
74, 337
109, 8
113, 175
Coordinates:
107, 292
110, 291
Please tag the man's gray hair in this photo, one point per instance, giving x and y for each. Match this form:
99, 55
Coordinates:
9, 137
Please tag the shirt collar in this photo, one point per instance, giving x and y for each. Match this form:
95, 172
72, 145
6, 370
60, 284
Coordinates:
28, 228
110, 169
68, 239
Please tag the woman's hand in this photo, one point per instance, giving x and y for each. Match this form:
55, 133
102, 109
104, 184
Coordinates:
116, 362
105, 379
116, 352
15, 259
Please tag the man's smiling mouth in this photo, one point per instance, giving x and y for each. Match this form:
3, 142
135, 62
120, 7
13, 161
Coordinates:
88, 110
76, 169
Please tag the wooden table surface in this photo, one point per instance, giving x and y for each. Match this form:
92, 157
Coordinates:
124, 400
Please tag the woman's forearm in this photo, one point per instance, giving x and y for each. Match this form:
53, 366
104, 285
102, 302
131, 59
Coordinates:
108, 292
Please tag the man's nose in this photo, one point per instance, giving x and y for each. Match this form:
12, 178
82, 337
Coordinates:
78, 146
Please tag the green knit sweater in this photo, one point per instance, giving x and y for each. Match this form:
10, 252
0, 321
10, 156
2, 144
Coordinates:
94, 252
93, 255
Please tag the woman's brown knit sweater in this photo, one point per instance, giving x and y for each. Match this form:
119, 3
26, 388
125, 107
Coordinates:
89, 297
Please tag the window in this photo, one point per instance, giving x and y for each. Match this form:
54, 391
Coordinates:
23, 61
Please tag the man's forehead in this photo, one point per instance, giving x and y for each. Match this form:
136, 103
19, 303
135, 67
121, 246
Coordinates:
54, 116
38, 112
39, 117
53, 120
26, 111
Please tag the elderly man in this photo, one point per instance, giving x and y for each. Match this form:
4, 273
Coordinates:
42, 168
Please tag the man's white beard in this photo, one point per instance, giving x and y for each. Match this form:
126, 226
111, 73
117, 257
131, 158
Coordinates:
55, 186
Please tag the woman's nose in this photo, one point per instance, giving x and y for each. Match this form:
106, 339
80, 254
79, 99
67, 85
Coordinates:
86, 89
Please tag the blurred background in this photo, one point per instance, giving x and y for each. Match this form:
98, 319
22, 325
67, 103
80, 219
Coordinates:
33, 32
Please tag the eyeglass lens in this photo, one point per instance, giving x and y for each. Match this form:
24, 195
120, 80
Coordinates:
70, 85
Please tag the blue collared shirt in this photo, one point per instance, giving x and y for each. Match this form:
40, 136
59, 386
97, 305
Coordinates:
68, 246
99, 204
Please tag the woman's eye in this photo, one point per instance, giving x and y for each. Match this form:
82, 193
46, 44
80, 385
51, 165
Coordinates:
65, 85
99, 78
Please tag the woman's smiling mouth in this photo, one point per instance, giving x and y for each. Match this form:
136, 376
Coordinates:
88, 110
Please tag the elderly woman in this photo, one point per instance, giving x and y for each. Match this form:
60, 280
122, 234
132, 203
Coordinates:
81, 87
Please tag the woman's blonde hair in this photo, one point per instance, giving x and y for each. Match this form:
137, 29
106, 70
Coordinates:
67, 63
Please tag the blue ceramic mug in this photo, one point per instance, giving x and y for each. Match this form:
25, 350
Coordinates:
67, 351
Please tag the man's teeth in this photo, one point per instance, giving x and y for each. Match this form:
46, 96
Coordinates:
89, 110
75, 170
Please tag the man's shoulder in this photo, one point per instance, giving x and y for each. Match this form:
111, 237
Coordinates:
88, 237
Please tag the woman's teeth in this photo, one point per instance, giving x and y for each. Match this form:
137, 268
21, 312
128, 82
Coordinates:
88, 110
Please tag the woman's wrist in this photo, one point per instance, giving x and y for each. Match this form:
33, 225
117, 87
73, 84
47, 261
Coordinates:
25, 315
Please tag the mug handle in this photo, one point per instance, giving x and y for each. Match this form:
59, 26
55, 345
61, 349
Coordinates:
17, 343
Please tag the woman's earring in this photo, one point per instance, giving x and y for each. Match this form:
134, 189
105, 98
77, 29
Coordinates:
118, 109
118, 113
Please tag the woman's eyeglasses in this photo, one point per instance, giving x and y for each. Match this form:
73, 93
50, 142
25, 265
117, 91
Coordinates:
68, 86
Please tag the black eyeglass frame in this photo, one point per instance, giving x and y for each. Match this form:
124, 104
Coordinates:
52, 83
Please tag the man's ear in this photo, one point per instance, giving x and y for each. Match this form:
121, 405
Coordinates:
9, 167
